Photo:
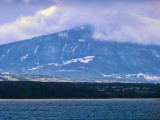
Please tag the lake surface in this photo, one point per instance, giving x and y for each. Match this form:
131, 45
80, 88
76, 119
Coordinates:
110, 109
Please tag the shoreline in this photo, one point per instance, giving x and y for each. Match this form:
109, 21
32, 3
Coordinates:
59, 99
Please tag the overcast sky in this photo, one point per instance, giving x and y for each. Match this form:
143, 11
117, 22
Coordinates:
136, 21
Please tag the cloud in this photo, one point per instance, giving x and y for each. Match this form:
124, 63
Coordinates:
28, 1
129, 27
125, 21
26, 27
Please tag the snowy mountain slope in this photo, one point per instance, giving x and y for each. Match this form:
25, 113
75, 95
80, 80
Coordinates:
74, 53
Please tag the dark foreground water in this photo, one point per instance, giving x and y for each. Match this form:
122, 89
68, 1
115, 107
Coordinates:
112, 109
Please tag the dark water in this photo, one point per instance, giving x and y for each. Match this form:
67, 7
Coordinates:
112, 109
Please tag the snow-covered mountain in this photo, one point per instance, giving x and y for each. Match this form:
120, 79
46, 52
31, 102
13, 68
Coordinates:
75, 54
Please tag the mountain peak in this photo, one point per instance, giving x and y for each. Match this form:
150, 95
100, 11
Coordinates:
74, 53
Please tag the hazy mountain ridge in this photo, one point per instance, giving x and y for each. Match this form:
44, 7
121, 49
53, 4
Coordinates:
74, 53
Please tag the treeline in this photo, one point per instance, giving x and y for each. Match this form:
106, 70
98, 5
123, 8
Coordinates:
48, 90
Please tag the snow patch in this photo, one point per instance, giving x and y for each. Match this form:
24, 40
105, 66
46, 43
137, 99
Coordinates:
10, 78
70, 61
63, 35
55, 64
2, 56
86, 59
140, 75
35, 68
74, 48
65, 70
83, 68
132, 76
112, 75
64, 47
37, 63
97, 81
156, 54
148, 77
24, 57
81, 40
5, 73
9, 50
88, 46
82, 28
35, 51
